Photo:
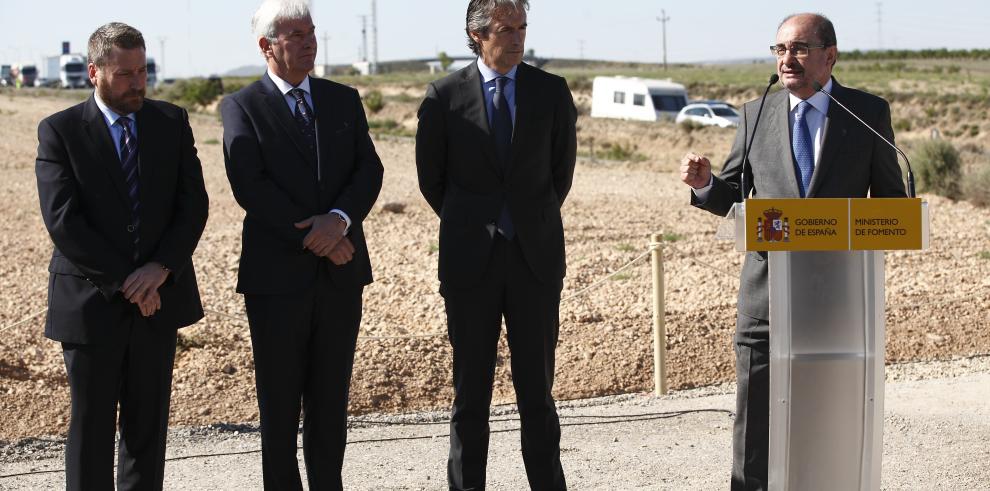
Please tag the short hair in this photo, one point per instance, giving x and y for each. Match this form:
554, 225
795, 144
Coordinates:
105, 37
271, 12
823, 27
480, 14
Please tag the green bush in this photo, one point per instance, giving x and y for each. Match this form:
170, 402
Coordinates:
193, 93
689, 126
976, 185
902, 125
580, 83
383, 124
618, 151
939, 168
374, 101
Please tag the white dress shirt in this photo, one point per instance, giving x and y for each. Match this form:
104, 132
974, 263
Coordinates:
488, 76
290, 100
814, 117
111, 117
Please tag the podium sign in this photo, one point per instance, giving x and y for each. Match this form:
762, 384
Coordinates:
834, 224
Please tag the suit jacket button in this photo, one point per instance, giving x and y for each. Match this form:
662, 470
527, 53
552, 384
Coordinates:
130, 228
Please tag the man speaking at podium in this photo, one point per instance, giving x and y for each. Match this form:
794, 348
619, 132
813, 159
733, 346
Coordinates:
805, 147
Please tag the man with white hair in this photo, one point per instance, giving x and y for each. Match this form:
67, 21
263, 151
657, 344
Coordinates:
302, 165
495, 154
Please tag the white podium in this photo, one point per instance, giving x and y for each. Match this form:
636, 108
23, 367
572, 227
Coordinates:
826, 281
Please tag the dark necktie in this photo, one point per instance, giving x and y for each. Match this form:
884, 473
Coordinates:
502, 129
502, 121
804, 150
129, 164
304, 119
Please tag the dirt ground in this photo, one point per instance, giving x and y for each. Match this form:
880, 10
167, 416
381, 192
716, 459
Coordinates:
937, 299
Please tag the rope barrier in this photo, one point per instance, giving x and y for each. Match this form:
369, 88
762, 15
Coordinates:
652, 246
24, 320
611, 275
699, 263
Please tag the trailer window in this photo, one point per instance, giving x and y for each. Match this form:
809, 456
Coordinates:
669, 102
619, 98
639, 100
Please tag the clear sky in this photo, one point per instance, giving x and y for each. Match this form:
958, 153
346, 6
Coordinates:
213, 36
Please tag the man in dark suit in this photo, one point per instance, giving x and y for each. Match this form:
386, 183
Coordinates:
805, 147
495, 153
302, 165
123, 199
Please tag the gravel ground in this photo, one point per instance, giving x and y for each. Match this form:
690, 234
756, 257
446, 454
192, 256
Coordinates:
937, 299
936, 425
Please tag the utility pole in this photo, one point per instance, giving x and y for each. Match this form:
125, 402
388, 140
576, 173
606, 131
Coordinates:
663, 22
879, 26
364, 38
326, 51
374, 38
161, 63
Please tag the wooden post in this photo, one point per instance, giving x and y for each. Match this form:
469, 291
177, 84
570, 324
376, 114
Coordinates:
659, 327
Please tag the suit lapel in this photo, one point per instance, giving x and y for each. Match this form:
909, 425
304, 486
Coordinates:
833, 134
99, 135
524, 88
476, 111
149, 124
280, 111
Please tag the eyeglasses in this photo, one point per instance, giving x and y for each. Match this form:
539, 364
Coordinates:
798, 50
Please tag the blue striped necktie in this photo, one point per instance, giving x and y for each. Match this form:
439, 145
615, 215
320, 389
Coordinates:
804, 150
304, 118
129, 164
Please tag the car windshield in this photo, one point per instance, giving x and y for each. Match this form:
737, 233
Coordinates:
74, 67
724, 111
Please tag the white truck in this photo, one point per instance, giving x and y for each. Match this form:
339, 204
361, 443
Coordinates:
65, 71
24, 75
641, 99
152, 72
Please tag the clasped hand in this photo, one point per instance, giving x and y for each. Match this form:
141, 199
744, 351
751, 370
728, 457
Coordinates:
326, 238
141, 287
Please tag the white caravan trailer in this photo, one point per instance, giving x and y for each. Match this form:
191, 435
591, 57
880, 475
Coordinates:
641, 99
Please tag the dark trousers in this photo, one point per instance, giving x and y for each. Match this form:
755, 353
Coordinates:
133, 370
303, 354
474, 319
751, 430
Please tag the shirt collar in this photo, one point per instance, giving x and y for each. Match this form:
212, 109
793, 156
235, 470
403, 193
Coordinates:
818, 101
110, 115
487, 74
285, 87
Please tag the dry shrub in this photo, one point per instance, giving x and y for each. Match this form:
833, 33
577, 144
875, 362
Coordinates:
976, 185
939, 168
